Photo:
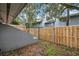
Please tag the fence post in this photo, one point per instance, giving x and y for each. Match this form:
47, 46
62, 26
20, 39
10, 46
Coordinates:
54, 34
38, 32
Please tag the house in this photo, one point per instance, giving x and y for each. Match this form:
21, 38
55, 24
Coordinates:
73, 19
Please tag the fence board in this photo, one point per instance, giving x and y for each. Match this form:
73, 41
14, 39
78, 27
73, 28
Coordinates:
68, 35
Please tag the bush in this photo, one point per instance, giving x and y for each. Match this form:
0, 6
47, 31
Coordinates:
15, 22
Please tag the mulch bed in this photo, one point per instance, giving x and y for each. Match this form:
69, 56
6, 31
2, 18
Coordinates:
42, 48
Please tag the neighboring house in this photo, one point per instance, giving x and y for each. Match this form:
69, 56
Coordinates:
48, 24
73, 20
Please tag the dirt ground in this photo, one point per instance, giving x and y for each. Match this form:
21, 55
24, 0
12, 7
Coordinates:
42, 48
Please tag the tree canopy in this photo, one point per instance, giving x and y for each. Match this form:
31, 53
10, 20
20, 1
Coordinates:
34, 11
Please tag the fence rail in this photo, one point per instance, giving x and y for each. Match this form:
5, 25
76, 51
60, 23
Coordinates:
68, 35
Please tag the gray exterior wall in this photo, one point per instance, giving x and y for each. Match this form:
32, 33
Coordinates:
73, 21
59, 23
12, 38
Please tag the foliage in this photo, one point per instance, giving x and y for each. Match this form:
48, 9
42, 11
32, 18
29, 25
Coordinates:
32, 11
16, 21
28, 25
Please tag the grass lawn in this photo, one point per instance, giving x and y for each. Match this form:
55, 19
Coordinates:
42, 48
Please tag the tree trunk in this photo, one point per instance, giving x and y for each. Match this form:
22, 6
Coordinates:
67, 23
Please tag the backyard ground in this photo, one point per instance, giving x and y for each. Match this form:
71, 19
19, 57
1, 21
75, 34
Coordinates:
42, 48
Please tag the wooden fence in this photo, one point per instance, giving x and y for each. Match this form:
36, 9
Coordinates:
68, 35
